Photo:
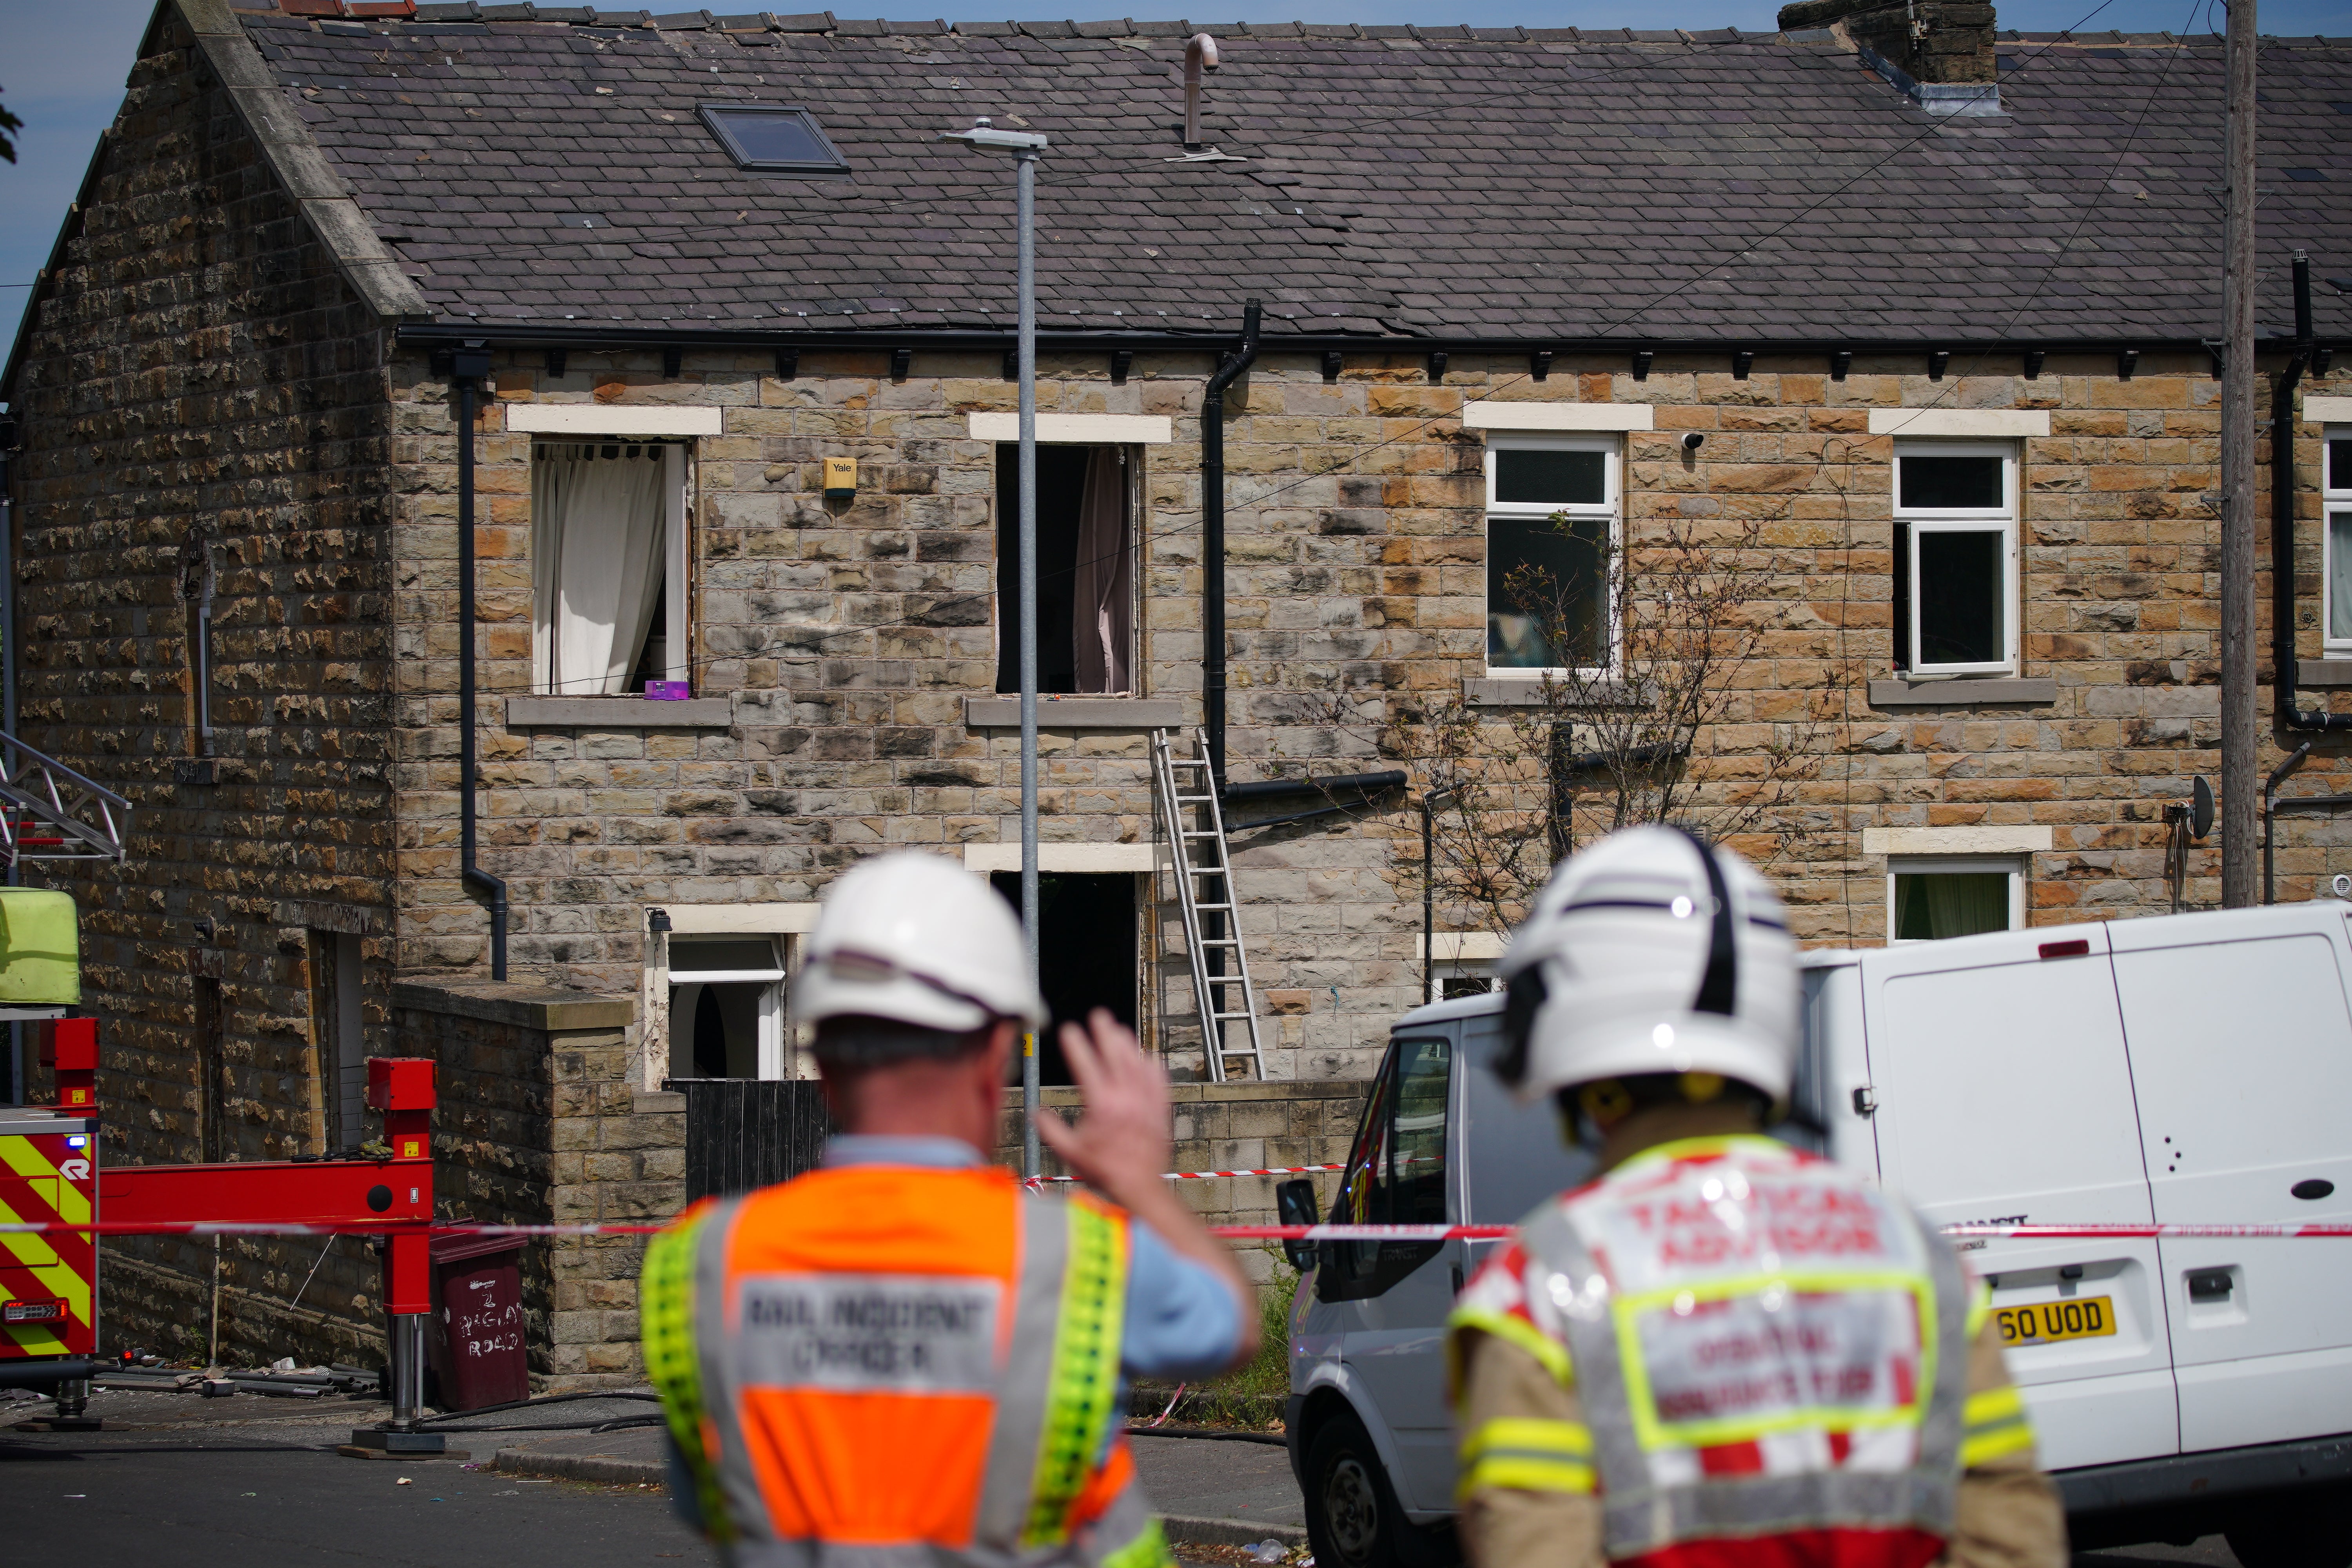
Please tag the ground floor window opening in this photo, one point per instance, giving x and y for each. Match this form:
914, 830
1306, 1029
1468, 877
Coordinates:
727, 1008
1087, 948
1931, 898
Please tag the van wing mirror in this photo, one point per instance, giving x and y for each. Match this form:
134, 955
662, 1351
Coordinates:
1294, 1200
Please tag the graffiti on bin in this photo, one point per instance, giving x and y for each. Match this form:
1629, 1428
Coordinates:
485, 1325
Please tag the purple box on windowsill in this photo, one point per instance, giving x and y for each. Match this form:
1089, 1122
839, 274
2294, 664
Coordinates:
667, 691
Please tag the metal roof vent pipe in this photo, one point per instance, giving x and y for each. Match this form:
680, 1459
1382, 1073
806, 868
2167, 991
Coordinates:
1200, 54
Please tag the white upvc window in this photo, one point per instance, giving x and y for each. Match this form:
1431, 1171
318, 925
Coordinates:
727, 1007
1956, 557
1930, 897
2335, 577
1552, 534
609, 567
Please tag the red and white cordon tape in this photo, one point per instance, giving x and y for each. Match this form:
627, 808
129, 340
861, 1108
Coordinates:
1204, 1175
1230, 1232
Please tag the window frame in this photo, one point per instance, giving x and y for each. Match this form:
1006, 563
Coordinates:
774, 1045
1943, 865
678, 565
838, 169
1359, 1270
2332, 498
1914, 520
1610, 507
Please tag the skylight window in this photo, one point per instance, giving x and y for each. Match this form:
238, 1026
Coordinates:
777, 139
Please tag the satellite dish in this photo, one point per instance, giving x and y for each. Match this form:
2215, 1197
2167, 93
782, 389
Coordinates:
2200, 809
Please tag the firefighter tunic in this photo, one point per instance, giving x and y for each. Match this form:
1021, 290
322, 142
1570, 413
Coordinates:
1727, 1352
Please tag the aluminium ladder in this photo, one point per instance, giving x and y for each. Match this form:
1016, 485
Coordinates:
1204, 888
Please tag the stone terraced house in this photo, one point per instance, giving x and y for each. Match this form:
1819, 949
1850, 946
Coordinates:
734, 329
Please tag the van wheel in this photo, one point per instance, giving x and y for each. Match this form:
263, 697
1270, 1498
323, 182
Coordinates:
2313, 1531
1353, 1519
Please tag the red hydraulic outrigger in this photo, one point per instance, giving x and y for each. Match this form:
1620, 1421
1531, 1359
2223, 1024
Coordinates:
389, 1195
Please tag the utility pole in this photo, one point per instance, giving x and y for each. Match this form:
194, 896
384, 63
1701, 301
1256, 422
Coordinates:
2241, 779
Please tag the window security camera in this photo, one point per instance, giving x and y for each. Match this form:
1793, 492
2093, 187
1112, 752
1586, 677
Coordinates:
1693, 441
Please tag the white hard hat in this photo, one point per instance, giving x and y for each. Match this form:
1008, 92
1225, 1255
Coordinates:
1651, 953
919, 940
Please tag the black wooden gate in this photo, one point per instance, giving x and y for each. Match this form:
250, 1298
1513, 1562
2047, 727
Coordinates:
743, 1133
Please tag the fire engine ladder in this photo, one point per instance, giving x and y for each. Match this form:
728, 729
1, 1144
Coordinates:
48, 812
1204, 891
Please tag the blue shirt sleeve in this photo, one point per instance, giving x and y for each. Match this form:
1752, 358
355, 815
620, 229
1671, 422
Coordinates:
1182, 1320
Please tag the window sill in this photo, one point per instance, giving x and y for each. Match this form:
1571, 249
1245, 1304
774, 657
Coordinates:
2324, 672
1076, 713
617, 713
1522, 693
1963, 692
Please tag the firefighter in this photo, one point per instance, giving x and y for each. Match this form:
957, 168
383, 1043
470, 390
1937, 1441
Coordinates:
902, 1357
1723, 1351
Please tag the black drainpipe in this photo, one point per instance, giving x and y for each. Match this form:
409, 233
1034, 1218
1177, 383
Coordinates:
1212, 544
471, 363
2283, 663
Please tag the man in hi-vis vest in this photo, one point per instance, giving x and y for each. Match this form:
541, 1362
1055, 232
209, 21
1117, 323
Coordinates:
1723, 1351
902, 1359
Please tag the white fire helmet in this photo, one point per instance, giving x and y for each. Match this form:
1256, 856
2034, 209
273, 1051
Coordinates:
917, 939
1651, 953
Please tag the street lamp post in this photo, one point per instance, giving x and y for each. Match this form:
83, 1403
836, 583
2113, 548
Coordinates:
1024, 146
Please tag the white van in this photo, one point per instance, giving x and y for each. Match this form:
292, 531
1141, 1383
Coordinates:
2189, 1069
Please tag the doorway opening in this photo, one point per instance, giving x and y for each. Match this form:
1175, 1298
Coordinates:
1086, 952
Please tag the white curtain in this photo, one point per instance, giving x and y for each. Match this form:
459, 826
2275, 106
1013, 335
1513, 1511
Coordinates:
2339, 576
601, 514
1102, 612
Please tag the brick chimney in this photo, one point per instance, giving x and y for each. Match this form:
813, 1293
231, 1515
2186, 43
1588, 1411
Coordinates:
1937, 41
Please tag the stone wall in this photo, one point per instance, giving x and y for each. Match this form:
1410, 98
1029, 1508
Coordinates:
844, 638
538, 1125
195, 370
197, 373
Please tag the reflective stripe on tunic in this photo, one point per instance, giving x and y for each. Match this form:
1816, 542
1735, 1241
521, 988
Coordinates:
1780, 1323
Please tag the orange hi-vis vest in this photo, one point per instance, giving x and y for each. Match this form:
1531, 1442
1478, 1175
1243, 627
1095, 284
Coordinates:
886, 1366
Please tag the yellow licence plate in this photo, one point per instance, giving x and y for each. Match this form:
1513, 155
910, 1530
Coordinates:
2047, 1323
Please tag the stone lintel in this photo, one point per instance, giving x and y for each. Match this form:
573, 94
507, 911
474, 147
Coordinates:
1076, 713
318, 914
1524, 693
2324, 673
618, 713
551, 1009
1962, 692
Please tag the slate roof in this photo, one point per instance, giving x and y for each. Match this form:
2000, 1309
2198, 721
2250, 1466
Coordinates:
1393, 182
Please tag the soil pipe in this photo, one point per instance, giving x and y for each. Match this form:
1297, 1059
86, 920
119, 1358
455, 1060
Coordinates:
471, 363
1212, 544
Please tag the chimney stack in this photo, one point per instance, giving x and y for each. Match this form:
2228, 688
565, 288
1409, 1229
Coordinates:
1938, 41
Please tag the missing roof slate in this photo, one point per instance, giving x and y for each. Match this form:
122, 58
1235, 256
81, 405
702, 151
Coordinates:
773, 138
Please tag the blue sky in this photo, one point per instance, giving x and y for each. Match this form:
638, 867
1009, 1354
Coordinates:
62, 64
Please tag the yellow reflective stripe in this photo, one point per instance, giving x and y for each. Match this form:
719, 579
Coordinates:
1530, 1434
1980, 1308
20, 1156
1994, 1425
1512, 1472
1527, 1454
53, 1272
674, 1362
1549, 1354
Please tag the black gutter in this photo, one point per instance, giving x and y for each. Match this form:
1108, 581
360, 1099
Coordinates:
1212, 544
471, 364
1269, 789
551, 334
2285, 677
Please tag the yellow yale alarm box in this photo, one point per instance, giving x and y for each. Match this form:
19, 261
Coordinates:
840, 479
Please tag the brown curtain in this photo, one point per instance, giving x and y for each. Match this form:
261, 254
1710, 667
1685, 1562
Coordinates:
1102, 619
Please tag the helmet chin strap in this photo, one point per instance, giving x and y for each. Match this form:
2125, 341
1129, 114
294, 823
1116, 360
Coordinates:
1719, 987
